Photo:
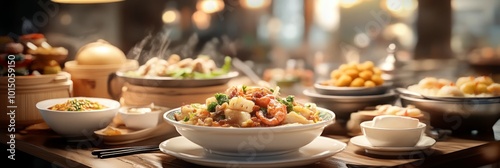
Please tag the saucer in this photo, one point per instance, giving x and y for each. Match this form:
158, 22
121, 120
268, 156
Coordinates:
319, 149
424, 143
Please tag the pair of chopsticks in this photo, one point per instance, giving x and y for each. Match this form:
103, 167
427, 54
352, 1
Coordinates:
122, 151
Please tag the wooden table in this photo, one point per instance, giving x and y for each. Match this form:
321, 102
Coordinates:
449, 152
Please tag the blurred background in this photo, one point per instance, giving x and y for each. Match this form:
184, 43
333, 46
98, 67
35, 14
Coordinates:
442, 38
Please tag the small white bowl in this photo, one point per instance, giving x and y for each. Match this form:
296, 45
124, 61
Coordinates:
78, 124
142, 117
252, 141
392, 137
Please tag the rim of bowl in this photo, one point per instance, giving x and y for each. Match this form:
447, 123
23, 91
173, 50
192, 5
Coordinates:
114, 104
481, 101
367, 124
253, 129
74, 66
313, 94
229, 75
122, 110
384, 86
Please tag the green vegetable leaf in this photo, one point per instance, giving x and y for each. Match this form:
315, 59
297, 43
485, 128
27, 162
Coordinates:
290, 98
227, 64
288, 101
198, 75
221, 98
244, 88
181, 73
211, 107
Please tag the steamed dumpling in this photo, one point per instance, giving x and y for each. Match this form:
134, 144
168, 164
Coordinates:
450, 91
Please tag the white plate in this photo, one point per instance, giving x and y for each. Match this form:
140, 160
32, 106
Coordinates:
424, 144
319, 149
352, 91
131, 136
389, 95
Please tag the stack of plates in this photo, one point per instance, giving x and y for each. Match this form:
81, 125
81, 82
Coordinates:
345, 100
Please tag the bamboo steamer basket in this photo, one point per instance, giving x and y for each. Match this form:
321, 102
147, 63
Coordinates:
134, 95
29, 90
95, 80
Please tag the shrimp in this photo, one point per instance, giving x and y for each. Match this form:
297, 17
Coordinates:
276, 113
262, 101
257, 92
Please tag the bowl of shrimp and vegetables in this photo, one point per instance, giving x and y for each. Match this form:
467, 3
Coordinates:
250, 120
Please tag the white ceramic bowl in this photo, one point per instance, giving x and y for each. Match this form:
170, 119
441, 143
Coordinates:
392, 137
252, 141
76, 124
142, 117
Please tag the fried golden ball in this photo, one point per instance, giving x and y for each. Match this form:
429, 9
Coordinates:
358, 82
369, 84
343, 67
377, 71
344, 80
356, 75
335, 74
468, 88
481, 88
377, 79
484, 80
368, 65
463, 80
353, 73
366, 74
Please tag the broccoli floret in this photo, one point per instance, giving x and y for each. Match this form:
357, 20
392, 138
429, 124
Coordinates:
221, 98
211, 107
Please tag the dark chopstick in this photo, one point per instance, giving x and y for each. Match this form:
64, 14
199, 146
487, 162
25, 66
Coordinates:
125, 152
114, 152
98, 151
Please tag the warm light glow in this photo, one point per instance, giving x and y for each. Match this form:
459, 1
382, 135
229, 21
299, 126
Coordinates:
401, 32
349, 3
210, 6
351, 53
66, 19
201, 20
326, 14
255, 4
274, 26
85, 1
361, 40
169, 16
400, 8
